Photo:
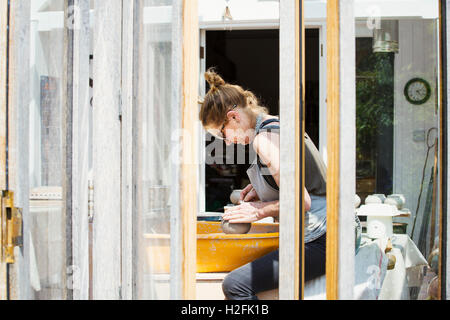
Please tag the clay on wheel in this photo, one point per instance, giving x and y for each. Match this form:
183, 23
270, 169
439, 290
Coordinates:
235, 228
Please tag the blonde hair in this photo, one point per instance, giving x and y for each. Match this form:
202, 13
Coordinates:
222, 97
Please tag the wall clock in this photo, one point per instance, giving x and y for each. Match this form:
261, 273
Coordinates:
417, 91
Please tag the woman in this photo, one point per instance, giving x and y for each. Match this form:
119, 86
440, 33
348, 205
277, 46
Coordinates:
234, 115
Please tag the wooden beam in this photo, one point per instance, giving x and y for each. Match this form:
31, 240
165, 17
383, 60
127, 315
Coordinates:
189, 167
332, 149
176, 215
18, 138
81, 148
128, 127
444, 195
3, 69
291, 195
300, 133
107, 34
347, 149
67, 93
341, 149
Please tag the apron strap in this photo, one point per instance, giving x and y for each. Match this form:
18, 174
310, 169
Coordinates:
265, 128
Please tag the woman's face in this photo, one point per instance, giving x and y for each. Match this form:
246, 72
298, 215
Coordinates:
236, 129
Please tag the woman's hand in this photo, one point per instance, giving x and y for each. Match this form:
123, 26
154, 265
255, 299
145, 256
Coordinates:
247, 212
249, 194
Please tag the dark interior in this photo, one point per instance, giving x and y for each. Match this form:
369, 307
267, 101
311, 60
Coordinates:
250, 58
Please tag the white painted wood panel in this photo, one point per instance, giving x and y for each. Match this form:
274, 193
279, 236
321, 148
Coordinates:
19, 138
3, 50
288, 191
347, 150
81, 149
107, 149
128, 192
176, 228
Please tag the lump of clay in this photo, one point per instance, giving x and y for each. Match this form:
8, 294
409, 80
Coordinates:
235, 197
235, 228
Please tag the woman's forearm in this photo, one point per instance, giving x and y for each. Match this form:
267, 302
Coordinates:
307, 200
268, 209
272, 208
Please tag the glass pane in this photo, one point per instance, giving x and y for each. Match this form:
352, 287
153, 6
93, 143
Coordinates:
48, 224
397, 131
154, 133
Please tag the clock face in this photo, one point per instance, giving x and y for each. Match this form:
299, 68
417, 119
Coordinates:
417, 91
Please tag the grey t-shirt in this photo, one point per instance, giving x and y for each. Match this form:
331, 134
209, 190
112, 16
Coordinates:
315, 169
315, 183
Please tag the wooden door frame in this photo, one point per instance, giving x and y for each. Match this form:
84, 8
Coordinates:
291, 257
444, 193
107, 226
17, 138
341, 174
80, 101
4, 12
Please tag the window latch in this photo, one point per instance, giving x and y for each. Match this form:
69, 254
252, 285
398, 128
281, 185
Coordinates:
11, 227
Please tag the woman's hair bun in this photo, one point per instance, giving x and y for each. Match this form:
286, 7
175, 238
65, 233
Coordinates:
214, 80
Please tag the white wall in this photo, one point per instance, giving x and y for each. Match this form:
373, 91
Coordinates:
417, 57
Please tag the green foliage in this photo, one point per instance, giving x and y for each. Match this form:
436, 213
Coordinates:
374, 100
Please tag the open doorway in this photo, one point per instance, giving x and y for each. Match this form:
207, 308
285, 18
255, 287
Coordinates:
250, 58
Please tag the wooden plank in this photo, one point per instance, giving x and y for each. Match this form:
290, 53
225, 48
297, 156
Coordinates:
65, 227
18, 138
189, 166
107, 149
341, 175
3, 59
347, 149
176, 227
333, 77
128, 60
290, 167
201, 130
444, 178
444, 229
81, 149
139, 81
323, 92
300, 134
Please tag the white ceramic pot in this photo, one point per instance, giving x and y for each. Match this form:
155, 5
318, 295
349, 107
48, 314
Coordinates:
379, 227
373, 199
357, 201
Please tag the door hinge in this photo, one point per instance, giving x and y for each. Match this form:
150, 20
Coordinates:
202, 52
11, 227
321, 50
